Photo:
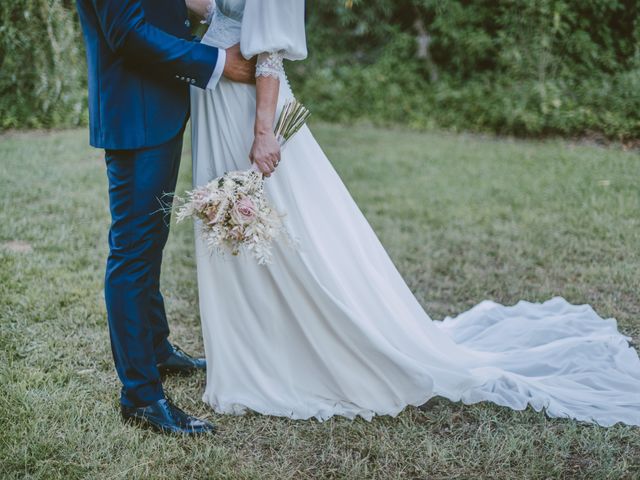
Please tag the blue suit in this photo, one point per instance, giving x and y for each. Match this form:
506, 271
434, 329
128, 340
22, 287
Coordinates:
141, 62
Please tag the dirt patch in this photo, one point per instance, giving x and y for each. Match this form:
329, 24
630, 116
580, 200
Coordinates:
17, 246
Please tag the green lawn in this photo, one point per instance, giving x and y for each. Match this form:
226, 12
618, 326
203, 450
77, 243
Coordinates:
464, 218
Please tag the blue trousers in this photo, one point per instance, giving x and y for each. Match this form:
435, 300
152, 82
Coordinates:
138, 182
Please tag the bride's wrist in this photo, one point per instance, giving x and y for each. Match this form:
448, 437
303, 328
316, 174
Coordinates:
262, 129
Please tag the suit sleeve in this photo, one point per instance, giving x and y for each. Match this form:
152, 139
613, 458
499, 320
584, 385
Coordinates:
128, 33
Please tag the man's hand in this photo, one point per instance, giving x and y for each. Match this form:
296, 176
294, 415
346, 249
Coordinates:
237, 69
265, 152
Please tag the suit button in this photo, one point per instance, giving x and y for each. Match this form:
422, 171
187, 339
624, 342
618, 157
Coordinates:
187, 23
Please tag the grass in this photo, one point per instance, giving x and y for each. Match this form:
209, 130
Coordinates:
464, 218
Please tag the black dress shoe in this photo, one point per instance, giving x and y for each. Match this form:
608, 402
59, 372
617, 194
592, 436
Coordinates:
181, 362
164, 417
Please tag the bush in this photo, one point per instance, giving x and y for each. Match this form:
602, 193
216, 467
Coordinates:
523, 67
526, 67
42, 67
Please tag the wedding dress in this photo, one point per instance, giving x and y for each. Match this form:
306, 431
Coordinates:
332, 328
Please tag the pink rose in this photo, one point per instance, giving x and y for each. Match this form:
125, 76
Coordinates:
244, 211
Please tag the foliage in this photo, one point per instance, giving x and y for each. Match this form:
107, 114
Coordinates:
42, 68
524, 67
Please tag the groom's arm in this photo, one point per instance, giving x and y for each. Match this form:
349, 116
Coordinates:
129, 34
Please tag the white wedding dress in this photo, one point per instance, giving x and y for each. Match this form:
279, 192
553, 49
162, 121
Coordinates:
332, 328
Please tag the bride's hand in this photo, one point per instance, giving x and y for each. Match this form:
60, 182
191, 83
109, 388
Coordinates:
265, 152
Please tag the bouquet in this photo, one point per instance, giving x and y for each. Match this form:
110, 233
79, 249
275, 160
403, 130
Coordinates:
233, 210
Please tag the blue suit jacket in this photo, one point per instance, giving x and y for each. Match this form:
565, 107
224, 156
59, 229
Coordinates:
141, 62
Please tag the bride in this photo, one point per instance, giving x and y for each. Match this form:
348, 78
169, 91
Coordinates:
332, 328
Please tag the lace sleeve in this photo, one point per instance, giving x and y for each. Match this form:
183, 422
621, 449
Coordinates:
211, 10
269, 64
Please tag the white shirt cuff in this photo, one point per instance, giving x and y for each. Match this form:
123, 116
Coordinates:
217, 72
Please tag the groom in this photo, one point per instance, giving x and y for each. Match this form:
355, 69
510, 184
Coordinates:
141, 61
